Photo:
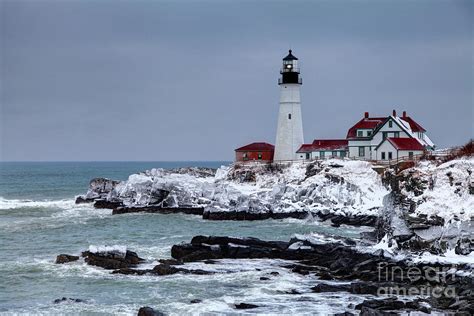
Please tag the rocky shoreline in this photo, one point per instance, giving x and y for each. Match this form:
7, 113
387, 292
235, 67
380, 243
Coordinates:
426, 209
375, 273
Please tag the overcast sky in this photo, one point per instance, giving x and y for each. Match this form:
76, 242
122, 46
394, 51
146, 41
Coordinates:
193, 80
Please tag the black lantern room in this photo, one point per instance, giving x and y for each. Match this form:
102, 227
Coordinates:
290, 73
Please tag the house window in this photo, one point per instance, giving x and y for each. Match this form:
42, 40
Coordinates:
361, 151
396, 134
383, 155
307, 156
390, 123
259, 156
342, 154
369, 133
289, 116
360, 133
384, 135
334, 153
246, 157
321, 154
410, 155
390, 155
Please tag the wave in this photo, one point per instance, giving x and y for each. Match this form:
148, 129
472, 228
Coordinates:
8, 204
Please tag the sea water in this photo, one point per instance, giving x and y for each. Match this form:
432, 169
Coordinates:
39, 220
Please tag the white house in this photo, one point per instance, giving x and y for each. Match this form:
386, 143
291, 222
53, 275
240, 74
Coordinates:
365, 137
373, 138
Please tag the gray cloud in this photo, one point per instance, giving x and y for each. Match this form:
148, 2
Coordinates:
192, 80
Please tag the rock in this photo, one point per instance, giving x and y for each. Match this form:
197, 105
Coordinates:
99, 188
323, 287
111, 260
264, 278
344, 314
63, 258
161, 269
245, 306
464, 246
171, 262
106, 204
157, 209
165, 269
250, 216
82, 199
195, 301
148, 311
68, 300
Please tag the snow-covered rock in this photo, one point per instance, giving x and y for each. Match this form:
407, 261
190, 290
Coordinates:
342, 187
431, 207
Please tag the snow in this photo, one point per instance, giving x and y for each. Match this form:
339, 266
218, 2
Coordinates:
450, 257
340, 186
449, 196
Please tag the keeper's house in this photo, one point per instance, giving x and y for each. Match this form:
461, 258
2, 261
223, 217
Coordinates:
374, 138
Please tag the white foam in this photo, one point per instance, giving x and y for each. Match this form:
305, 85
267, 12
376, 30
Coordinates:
117, 249
8, 204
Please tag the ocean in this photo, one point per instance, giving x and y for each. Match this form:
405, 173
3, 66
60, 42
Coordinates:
39, 220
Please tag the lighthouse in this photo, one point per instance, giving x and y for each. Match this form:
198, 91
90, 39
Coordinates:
290, 125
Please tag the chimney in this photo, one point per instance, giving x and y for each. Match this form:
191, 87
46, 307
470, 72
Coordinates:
404, 113
394, 113
366, 114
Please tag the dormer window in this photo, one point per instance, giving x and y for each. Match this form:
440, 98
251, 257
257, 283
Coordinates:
390, 123
360, 133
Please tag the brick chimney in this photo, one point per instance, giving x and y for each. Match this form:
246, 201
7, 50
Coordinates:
404, 113
394, 113
366, 115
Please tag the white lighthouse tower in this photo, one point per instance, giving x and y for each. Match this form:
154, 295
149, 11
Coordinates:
290, 125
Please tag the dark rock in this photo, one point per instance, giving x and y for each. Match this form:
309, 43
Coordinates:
464, 246
323, 287
112, 260
148, 311
63, 258
274, 273
293, 292
82, 199
250, 216
164, 269
68, 300
344, 314
353, 220
196, 301
106, 204
157, 209
245, 306
264, 278
171, 262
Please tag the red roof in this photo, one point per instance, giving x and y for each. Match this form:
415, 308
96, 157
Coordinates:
257, 147
374, 122
405, 143
415, 127
365, 123
324, 144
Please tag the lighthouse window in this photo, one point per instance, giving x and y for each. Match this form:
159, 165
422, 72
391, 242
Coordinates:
289, 116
